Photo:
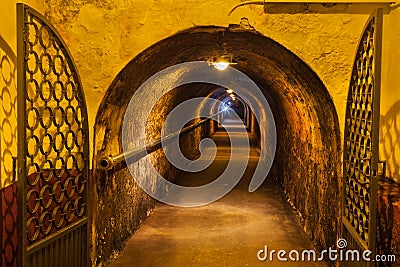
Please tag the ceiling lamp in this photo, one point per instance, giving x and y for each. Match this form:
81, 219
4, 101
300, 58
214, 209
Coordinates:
221, 63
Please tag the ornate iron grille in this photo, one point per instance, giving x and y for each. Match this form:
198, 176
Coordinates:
53, 138
361, 139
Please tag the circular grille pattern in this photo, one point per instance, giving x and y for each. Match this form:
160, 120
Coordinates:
358, 136
56, 131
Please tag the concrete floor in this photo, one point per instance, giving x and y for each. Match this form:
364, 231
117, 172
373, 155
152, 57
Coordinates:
228, 232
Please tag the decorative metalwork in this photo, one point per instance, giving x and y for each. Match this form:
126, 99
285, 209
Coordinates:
53, 174
361, 138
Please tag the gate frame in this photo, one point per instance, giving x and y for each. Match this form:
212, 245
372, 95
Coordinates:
22, 13
377, 16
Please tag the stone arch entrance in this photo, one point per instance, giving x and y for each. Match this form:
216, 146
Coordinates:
307, 162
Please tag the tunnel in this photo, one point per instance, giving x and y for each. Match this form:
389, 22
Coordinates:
306, 166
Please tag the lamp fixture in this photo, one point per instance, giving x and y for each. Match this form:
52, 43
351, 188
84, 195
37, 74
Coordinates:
221, 65
222, 62
229, 91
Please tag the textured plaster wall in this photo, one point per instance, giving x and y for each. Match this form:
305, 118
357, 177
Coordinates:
8, 91
104, 35
8, 114
389, 194
390, 98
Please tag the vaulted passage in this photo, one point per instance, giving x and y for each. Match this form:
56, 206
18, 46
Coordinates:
306, 164
173, 145
228, 232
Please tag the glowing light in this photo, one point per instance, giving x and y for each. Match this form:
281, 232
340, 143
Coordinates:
221, 62
229, 91
221, 65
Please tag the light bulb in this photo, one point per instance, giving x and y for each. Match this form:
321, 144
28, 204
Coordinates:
221, 65
229, 91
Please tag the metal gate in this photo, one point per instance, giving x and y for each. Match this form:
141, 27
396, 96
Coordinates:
53, 148
361, 140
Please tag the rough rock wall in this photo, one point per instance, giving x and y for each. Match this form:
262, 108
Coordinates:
120, 203
307, 166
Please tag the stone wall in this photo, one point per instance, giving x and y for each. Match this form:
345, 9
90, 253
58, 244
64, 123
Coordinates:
308, 162
120, 203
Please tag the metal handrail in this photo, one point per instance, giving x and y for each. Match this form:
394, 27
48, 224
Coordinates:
106, 163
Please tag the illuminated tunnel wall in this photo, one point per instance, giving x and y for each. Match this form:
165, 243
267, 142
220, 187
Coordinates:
307, 160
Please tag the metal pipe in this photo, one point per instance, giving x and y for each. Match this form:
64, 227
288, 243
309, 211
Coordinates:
245, 4
392, 5
107, 163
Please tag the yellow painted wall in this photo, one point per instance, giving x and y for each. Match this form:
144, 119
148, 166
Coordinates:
390, 98
8, 118
104, 35
8, 94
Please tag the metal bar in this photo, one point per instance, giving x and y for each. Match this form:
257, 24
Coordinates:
67, 250
21, 128
40, 256
377, 88
51, 253
354, 234
58, 235
75, 248
375, 131
62, 252
107, 163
